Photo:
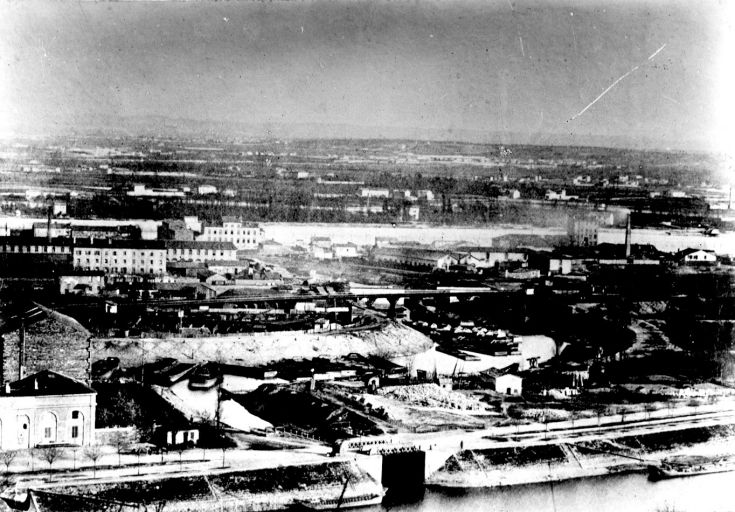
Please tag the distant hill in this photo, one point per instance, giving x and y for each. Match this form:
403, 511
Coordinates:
154, 125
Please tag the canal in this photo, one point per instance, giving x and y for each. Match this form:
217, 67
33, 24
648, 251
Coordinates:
619, 493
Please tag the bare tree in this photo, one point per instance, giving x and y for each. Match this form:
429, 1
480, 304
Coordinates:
120, 442
180, 449
74, 451
50, 454
224, 451
93, 452
8, 456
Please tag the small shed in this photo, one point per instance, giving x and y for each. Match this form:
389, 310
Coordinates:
509, 384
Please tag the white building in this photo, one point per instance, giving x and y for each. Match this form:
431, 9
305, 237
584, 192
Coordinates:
120, 256
322, 253
204, 190
242, 236
374, 192
413, 213
184, 250
416, 257
509, 384
348, 250
139, 190
696, 256
46, 408
488, 257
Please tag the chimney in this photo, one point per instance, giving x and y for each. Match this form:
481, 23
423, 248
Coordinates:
22, 348
627, 237
35, 384
48, 223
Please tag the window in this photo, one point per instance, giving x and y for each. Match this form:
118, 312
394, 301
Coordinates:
74, 432
75, 415
47, 432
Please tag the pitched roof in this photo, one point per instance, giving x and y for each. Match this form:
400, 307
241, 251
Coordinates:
46, 383
687, 252
113, 243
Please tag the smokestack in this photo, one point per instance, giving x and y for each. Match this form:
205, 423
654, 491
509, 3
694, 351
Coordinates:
627, 238
48, 223
22, 347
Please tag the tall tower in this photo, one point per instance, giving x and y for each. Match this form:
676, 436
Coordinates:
627, 237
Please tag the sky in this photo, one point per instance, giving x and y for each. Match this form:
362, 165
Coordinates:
513, 68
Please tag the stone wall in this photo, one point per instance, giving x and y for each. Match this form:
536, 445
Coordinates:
56, 342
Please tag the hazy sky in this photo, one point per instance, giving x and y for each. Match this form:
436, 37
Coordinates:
493, 66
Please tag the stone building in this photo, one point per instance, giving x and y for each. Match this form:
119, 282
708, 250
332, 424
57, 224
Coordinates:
34, 338
46, 408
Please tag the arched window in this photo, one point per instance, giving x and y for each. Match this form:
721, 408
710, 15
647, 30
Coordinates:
24, 431
48, 427
76, 427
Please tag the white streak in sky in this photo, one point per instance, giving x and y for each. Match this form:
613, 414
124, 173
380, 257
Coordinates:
602, 94
616, 82
656, 52
522, 50
672, 100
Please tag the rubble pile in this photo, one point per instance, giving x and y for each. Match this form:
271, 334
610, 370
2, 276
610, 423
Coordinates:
430, 395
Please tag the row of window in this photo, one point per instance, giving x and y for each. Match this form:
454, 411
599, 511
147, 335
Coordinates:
49, 249
124, 270
201, 252
226, 231
237, 241
134, 261
122, 253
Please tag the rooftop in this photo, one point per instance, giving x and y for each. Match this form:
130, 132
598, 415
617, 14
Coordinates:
46, 383
106, 243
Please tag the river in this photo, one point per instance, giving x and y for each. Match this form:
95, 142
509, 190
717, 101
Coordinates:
618, 493
365, 234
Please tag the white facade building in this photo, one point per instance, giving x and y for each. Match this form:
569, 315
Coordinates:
509, 384
184, 250
696, 256
46, 408
348, 250
242, 236
203, 190
120, 256
374, 192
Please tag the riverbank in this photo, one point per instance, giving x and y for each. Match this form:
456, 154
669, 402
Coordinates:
556, 462
225, 490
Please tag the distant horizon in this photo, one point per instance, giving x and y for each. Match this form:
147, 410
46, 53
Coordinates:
297, 132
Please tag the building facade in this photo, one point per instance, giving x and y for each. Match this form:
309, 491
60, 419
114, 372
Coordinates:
242, 235
487, 257
181, 250
44, 409
120, 256
175, 229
